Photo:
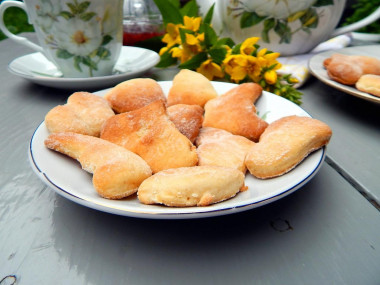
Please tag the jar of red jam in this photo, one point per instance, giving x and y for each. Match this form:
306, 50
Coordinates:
142, 21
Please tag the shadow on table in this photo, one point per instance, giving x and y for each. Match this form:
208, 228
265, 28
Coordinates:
98, 244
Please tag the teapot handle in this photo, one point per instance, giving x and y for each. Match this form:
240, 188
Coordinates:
360, 24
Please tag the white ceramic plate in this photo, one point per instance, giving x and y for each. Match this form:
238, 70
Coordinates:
366, 37
317, 69
133, 61
65, 176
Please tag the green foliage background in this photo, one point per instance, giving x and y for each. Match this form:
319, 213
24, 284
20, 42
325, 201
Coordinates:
16, 21
361, 9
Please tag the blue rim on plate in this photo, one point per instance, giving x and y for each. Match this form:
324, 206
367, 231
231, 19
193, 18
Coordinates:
53, 169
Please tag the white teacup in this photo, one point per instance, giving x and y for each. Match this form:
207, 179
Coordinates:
82, 38
286, 26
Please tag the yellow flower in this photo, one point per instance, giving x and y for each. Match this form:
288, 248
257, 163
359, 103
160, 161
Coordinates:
262, 52
239, 66
184, 52
247, 47
163, 50
172, 35
210, 69
176, 52
270, 76
194, 39
233, 68
192, 23
268, 59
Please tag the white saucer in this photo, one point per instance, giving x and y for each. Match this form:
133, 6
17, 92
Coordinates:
35, 67
319, 71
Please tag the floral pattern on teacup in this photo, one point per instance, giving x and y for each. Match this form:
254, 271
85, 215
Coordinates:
277, 15
77, 33
47, 13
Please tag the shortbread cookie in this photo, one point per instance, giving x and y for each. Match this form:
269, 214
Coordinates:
187, 119
284, 144
347, 69
191, 186
221, 148
253, 91
134, 94
117, 172
84, 113
192, 88
369, 83
149, 133
235, 112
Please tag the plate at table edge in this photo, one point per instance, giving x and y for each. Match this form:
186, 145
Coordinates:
133, 61
317, 69
65, 176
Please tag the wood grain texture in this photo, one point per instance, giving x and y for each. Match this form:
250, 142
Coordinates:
324, 233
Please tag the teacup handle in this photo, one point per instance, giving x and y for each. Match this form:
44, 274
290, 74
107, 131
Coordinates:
22, 40
360, 24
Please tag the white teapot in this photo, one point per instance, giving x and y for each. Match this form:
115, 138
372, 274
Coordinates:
286, 26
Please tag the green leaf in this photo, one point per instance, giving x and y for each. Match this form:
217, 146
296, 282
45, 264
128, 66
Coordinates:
183, 32
106, 39
320, 3
166, 60
87, 16
225, 41
103, 53
169, 11
190, 9
268, 25
208, 18
86, 60
284, 32
175, 3
211, 37
77, 62
249, 19
218, 54
73, 8
236, 49
64, 54
82, 7
310, 19
195, 61
66, 14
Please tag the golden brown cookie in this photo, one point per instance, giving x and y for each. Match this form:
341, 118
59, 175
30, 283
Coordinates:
235, 112
117, 172
149, 133
191, 186
134, 94
221, 148
347, 69
284, 144
187, 119
369, 83
192, 88
84, 113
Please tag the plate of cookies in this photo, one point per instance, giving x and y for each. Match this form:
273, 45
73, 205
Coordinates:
353, 70
186, 148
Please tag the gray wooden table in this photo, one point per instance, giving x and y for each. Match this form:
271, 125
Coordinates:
327, 232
